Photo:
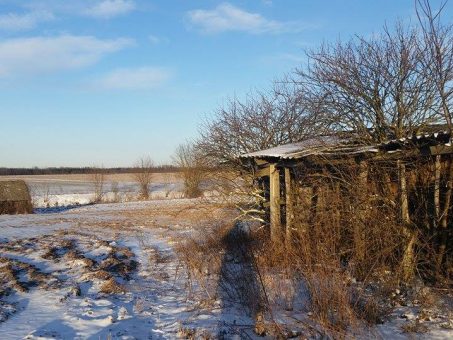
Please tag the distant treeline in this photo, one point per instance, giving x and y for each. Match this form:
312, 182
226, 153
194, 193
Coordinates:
83, 170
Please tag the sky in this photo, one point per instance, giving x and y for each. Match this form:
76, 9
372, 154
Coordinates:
106, 82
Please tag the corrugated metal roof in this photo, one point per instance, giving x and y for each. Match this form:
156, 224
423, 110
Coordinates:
316, 145
324, 145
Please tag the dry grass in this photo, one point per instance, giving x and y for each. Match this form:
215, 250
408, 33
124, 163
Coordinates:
110, 286
20, 276
414, 326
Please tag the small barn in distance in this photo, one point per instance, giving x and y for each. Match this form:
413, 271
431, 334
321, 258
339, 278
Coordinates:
15, 198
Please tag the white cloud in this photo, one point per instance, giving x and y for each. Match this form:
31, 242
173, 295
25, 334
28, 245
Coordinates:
38, 55
111, 8
140, 78
226, 17
26, 21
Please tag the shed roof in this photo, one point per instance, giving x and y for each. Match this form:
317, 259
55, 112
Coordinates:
13, 191
333, 144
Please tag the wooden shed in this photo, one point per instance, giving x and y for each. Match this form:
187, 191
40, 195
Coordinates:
15, 198
275, 169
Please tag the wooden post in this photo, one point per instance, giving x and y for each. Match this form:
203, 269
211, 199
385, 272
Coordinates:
274, 182
437, 168
359, 226
289, 205
407, 263
402, 186
445, 213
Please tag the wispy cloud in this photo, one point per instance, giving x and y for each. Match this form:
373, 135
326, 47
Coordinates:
98, 9
24, 21
110, 8
140, 78
38, 55
226, 17
154, 39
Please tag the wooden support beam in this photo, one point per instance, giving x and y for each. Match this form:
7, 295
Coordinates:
289, 205
407, 262
437, 169
264, 172
402, 183
441, 149
361, 202
275, 215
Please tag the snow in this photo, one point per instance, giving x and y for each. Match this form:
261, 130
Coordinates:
57, 193
158, 301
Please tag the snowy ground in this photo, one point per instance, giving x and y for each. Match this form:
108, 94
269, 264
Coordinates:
53, 192
97, 272
111, 271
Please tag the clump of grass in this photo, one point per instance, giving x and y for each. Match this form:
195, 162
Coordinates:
110, 286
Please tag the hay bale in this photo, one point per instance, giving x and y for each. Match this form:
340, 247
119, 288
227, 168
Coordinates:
15, 198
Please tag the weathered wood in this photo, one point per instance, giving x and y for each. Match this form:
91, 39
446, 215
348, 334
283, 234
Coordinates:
437, 168
402, 186
289, 204
261, 162
262, 172
361, 201
447, 200
444, 218
408, 260
275, 214
441, 149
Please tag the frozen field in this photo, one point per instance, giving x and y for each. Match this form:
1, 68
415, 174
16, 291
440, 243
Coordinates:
56, 191
101, 271
112, 271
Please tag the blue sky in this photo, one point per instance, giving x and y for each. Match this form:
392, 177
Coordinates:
106, 82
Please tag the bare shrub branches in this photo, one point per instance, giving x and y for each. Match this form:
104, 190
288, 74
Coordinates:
98, 180
260, 121
374, 86
143, 175
192, 168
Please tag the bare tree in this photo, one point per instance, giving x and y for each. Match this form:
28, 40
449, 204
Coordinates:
374, 86
143, 175
261, 121
188, 159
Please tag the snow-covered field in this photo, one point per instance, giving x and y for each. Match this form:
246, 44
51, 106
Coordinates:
53, 192
111, 271
97, 272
